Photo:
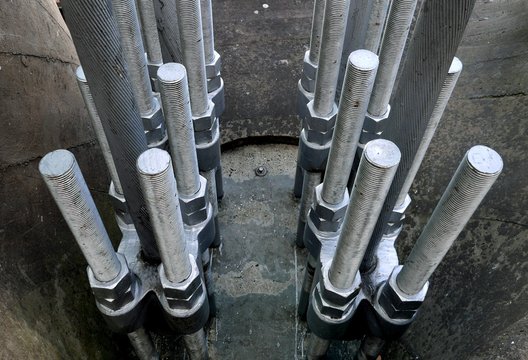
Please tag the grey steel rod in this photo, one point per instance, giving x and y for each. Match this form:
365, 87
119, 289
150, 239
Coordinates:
174, 90
332, 38
474, 177
64, 179
317, 29
317, 347
190, 26
206, 7
98, 129
96, 38
376, 24
161, 197
169, 32
438, 110
128, 24
310, 180
431, 51
376, 170
210, 176
394, 38
143, 345
196, 345
357, 86
149, 26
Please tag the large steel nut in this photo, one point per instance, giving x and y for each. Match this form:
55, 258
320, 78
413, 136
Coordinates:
194, 208
214, 83
322, 224
313, 156
309, 73
398, 213
329, 292
303, 98
118, 201
376, 124
156, 136
214, 68
116, 293
218, 98
205, 121
328, 308
328, 211
185, 294
153, 69
395, 303
317, 122
366, 137
207, 136
153, 120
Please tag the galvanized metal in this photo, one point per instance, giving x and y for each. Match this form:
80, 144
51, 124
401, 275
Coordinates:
317, 29
376, 24
376, 170
149, 27
98, 129
210, 176
445, 93
474, 177
311, 180
317, 347
161, 197
206, 8
96, 38
359, 79
143, 345
64, 179
196, 345
394, 38
332, 37
173, 85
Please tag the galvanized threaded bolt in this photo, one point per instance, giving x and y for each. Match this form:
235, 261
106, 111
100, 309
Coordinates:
394, 38
317, 29
445, 93
150, 31
190, 25
196, 345
143, 345
376, 24
208, 30
474, 177
210, 176
332, 38
376, 171
161, 197
173, 86
64, 179
98, 128
310, 180
134, 53
357, 86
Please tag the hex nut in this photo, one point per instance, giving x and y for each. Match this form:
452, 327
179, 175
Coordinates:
153, 69
118, 201
153, 120
309, 68
214, 68
207, 136
214, 83
328, 211
319, 123
376, 124
322, 224
341, 297
366, 137
194, 208
205, 121
218, 98
116, 293
155, 136
318, 137
327, 308
182, 295
303, 98
398, 213
313, 156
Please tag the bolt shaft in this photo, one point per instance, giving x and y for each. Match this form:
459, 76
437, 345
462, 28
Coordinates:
173, 86
438, 110
208, 30
149, 26
317, 347
317, 29
332, 38
98, 129
64, 179
310, 180
161, 197
474, 177
376, 170
357, 86
134, 53
143, 345
196, 345
190, 26
394, 38
376, 24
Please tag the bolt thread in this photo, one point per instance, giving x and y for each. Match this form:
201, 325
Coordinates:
473, 179
161, 197
173, 86
332, 38
438, 110
190, 26
376, 170
394, 38
64, 179
134, 53
317, 29
96, 38
149, 26
359, 79
376, 23
196, 345
143, 345
98, 129
210, 176
208, 30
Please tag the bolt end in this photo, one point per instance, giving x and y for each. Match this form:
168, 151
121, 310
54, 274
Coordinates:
56, 163
456, 66
363, 60
382, 153
79, 73
484, 160
171, 73
153, 162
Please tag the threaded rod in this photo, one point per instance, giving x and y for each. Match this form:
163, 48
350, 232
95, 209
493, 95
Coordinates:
206, 8
317, 29
357, 86
474, 177
143, 345
161, 197
173, 86
376, 24
376, 170
64, 179
150, 31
